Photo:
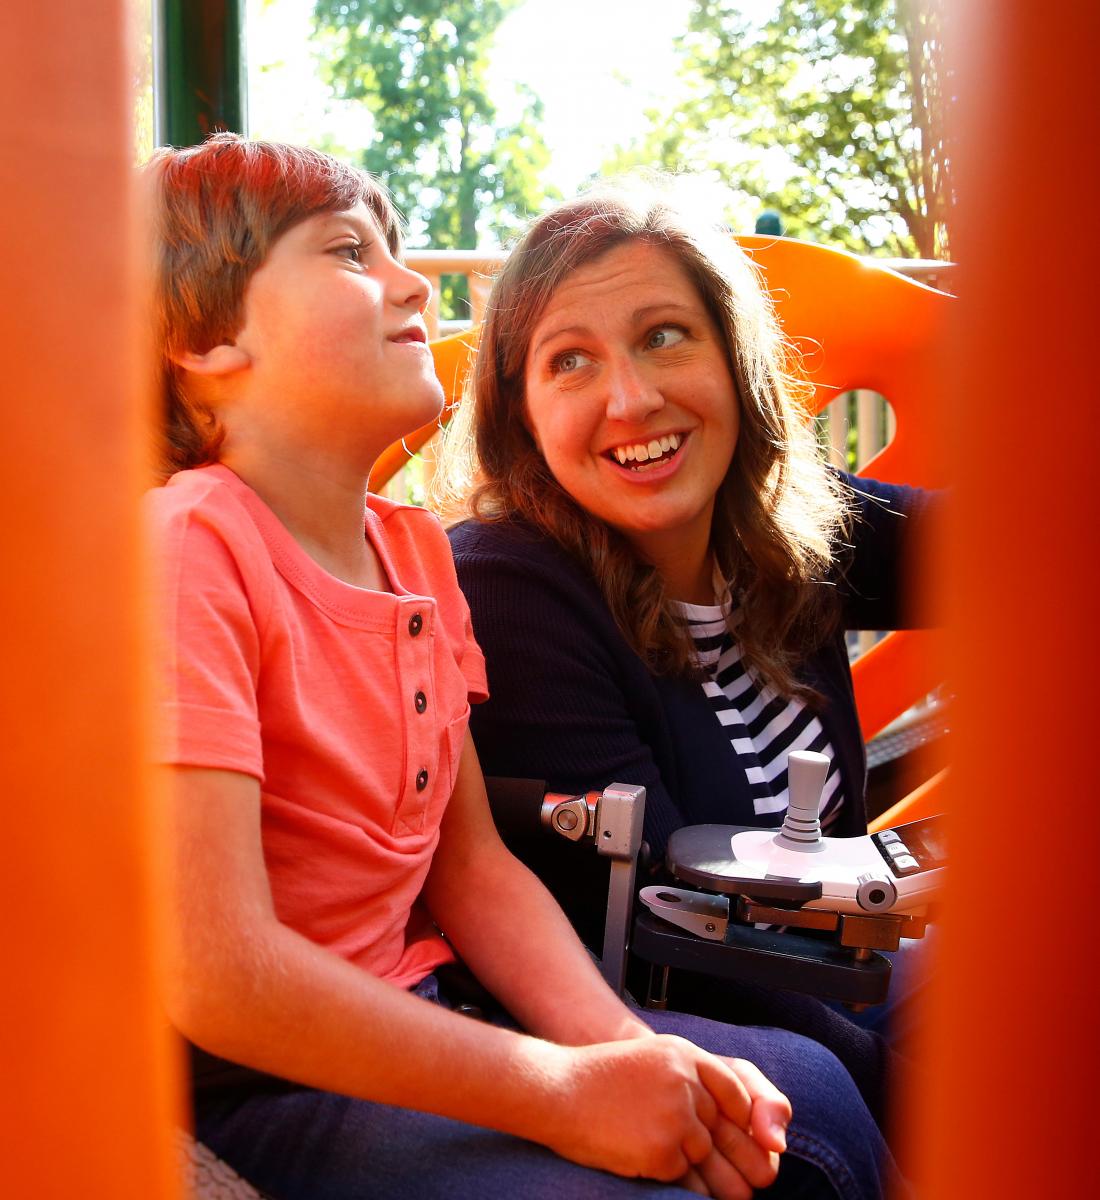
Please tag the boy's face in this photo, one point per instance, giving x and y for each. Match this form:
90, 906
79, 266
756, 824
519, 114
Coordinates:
335, 338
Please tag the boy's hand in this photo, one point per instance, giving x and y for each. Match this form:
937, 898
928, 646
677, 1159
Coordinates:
771, 1110
743, 1158
661, 1108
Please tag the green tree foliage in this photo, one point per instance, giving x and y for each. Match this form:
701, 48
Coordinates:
419, 66
828, 110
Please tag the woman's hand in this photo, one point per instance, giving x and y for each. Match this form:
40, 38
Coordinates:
661, 1108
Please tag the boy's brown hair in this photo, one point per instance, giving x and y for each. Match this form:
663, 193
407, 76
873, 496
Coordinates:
218, 209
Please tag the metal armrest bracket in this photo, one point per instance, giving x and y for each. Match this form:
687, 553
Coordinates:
613, 820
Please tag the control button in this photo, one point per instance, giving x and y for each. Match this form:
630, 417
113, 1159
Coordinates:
421, 702
422, 783
416, 624
875, 895
886, 837
566, 820
906, 865
897, 850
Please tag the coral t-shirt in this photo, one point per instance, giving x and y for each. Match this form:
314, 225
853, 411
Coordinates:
349, 706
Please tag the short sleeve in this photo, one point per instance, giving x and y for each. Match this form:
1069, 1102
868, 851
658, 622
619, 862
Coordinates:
208, 643
473, 665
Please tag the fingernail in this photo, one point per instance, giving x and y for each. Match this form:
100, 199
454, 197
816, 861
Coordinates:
780, 1132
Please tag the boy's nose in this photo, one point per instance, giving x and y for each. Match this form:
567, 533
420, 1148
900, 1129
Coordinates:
631, 397
417, 289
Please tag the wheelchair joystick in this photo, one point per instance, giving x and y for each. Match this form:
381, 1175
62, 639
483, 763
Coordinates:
806, 771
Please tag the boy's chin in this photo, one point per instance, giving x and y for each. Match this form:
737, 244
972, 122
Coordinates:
428, 408
419, 412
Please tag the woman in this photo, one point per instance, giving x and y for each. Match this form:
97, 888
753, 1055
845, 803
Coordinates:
660, 566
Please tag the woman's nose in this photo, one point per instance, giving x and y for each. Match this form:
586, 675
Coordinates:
631, 395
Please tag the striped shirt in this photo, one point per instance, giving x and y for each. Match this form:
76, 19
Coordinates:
763, 726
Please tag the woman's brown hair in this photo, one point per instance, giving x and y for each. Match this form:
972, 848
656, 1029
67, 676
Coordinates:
217, 210
779, 511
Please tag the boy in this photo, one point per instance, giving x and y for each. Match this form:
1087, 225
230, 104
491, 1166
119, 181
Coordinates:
327, 810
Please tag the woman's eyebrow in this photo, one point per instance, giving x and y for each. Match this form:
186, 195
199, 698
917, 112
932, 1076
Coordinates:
564, 331
638, 316
642, 314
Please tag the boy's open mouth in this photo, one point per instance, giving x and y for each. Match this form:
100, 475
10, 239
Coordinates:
644, 456
413, 333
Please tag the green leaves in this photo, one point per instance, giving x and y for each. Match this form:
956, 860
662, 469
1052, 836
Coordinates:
419, 67
829, 110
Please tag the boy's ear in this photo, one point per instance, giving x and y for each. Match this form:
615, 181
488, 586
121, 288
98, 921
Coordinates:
222, 359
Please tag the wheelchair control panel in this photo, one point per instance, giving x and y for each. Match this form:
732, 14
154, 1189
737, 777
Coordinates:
761, 888
896, 871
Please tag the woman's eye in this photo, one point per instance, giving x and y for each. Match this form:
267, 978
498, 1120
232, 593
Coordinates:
353, 251
664, 336
570, 360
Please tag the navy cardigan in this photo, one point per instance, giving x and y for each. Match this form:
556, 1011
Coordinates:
571, 703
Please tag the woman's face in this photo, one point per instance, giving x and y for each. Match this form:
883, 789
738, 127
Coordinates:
630, 399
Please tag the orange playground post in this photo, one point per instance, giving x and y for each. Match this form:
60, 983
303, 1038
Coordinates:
88, 1073
1009, 1108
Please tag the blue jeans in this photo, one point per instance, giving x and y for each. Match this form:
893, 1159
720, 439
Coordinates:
296, 1143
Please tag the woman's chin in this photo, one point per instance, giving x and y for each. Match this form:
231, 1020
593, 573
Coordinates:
650, 524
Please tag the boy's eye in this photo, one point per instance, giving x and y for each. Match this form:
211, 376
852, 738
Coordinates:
664, 336
352, 251
568, 360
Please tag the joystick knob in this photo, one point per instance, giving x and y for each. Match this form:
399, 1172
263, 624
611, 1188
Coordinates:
806, 771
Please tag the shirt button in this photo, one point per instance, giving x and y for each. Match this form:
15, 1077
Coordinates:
416, 624
421, 780
421, 702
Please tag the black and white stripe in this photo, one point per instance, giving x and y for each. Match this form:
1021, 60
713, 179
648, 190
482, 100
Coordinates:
763, 726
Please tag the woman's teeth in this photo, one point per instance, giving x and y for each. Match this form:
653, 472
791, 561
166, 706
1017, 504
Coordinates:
641, 452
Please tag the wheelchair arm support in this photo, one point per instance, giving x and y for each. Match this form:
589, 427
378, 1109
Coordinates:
611, 820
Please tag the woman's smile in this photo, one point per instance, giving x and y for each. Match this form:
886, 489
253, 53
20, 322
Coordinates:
643, 457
